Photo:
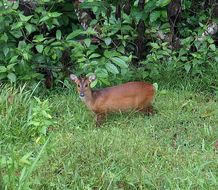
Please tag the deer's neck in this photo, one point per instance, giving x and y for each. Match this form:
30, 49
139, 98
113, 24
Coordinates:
89, 99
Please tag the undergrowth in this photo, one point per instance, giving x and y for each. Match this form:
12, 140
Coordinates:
50, 142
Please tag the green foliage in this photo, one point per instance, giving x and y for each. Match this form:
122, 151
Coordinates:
17, 127
17, 168
38, 40
173, 149
39, 118
27, 42
201, 63
203, 60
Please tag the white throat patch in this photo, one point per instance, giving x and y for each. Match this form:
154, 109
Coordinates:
82, 98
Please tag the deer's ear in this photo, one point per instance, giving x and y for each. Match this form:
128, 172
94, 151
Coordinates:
73, 77
92, 78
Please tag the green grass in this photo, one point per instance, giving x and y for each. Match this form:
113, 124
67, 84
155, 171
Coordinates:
172, 150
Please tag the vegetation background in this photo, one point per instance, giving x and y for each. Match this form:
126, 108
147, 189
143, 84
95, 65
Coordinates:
118, 41
47, 140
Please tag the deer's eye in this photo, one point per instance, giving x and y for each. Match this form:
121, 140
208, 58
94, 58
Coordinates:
78, 85
86, 85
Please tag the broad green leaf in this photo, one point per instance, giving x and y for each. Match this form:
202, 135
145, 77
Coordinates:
154, 16
30, 28
46, 50
3, 69
216, 59
22, 44
89, 52
54, 14
87, 41
125, 58
93, 84
13, 59
130, 58
90, 31
109, 54
137, 14
94, 55
184, 58
74, 34
119, 62
124, 71
12, 77
4, 37
210, 40
55, 22
16, 33
43, 19
155, 45
213, 47
111, 68
145, 74
16, 25
58, 34
107, 41
5, 50
39, 48
101, 73
3, 75
163, 15
11, 66
183, 52
25, 18
162, 3
56, 44
187, 67
39, 38
54, 56
83, 59
26, 56
93, 63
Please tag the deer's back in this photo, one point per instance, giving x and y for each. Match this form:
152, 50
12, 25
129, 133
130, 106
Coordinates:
131, 95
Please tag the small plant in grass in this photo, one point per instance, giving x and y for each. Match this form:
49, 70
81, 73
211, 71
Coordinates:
11, 166
16, 170
39, 118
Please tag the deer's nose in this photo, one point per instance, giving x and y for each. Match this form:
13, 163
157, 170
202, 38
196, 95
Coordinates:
81, 94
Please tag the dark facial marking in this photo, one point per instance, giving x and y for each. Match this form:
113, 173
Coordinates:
83, 82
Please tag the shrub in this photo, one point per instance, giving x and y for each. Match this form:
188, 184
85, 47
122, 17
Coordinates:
119, 43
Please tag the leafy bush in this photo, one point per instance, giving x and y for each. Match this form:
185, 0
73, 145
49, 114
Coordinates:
34, 41
118, 44
201, 63
39, 118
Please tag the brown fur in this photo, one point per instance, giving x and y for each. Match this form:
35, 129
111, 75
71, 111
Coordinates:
129, 96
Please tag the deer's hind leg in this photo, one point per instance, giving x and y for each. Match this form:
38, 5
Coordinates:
100, 117
149, 110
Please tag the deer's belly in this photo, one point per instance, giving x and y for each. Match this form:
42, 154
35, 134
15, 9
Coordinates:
122, 105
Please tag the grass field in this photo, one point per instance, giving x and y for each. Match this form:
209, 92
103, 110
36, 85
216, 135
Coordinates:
52, 143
